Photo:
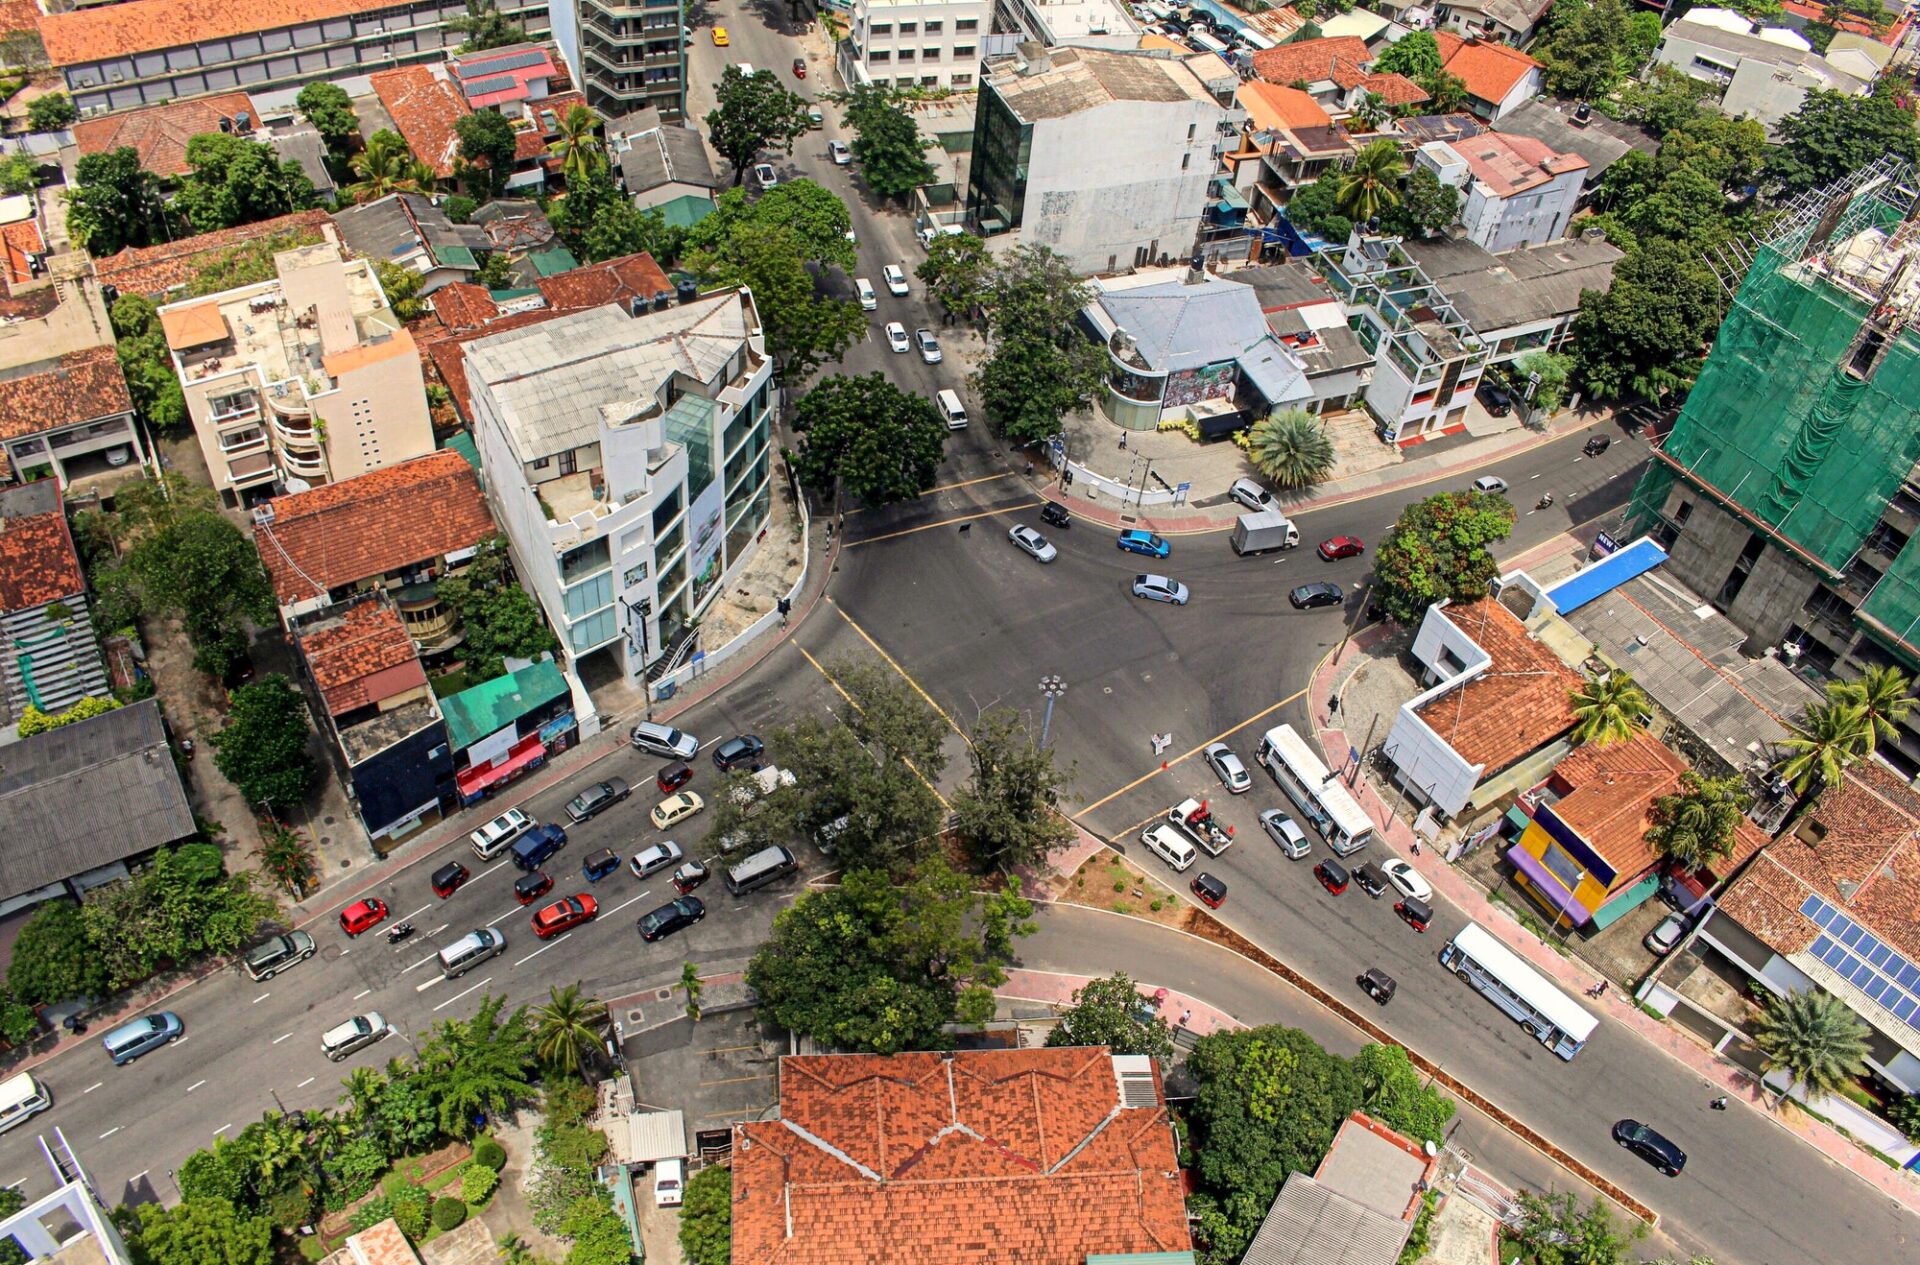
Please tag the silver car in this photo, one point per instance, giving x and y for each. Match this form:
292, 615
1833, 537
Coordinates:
840, 153
1284, 831
1158, 588
928, 344
1227, 767
664, 740
1251, 495
1031, 542
1491, 483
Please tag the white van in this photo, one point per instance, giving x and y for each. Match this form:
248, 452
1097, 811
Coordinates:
1170, 844
498, 835
951, 409
20, 1098
927, 232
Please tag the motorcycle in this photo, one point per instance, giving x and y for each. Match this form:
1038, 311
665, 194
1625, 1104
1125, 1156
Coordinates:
1545, 502
399, 932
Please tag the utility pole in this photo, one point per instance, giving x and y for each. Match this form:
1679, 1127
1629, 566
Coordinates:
1053, 687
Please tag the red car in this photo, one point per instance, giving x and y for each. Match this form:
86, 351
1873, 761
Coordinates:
673, 777
448, 878
531, 887
564, 915
799, 68
1341, 547
362, 914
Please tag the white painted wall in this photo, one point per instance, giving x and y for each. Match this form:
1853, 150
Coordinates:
889, 54
1538, 215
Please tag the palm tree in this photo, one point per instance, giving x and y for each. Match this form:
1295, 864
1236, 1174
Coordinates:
387, 166
1885, 694
1814, 1038
581, 152
1607, 708
1291, 448
567, 1031
1829, 737
1372, 183
1696, 825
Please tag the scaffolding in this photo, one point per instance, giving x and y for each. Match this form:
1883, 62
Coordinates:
1806, 418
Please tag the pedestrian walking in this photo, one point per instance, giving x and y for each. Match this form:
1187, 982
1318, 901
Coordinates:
1416, 847
1184, 1016
1123, 441
1719, 1104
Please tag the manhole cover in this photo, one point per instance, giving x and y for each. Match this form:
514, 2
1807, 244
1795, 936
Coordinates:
664, 994
635, 1016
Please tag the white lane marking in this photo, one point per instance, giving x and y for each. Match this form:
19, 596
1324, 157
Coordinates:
16, 1185
347, 950
542, 949
89, 1089
431, 957
429, 982
223, 1128
437, 930
457, 996
510, 913
416, 913
194, 1086
303, 1084
110, 1132
262, 997
282, 1037
137, 1176
623, 904
362, 993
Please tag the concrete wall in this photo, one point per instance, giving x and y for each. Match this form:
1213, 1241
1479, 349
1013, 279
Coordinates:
1524, 219
1704, 553
376, 416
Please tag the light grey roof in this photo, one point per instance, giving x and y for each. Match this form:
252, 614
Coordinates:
1745, 47
1312, 1225
666, 155
86, 795
1180, 326
397, 225
1285, 285
1530, 284
302, 144
552, 379
1515, 15
1602, 141
1371, 1170
1064, 81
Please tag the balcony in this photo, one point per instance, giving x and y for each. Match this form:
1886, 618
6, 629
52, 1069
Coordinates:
234, 410
233, 445
257, 467
297, 462
296, 432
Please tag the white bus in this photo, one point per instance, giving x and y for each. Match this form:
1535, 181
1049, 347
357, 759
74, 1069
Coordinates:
1505, 979
20, 1098
1315, 791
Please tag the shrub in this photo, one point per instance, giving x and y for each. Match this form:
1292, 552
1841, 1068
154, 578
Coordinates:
371, 1213
477, 1184
1905, 1115
448, 1214
291, 1207
490, 1153
411, 1205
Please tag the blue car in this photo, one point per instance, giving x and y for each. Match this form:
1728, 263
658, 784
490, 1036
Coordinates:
1144, 542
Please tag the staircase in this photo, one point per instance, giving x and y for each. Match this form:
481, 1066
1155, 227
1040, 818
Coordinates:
50, 664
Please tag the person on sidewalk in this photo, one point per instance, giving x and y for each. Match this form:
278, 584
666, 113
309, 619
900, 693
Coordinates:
1719, 1104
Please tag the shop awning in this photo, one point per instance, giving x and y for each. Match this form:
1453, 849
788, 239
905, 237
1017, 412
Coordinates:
473, 781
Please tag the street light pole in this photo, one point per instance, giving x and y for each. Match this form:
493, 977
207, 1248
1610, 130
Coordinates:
1053, 686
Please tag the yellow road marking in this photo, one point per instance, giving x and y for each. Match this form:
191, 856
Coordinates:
909, 531
1192, 751
894, 664
943, 487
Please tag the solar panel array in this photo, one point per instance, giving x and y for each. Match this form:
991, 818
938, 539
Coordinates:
493, 83
1858, 956
497, 65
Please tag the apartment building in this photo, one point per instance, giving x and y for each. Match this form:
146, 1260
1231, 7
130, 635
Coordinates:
625, 54
1762, 73
1083, 23
299, 381
1514, 191
915, 43
144, 52
1105, 157
52, 659
628, 459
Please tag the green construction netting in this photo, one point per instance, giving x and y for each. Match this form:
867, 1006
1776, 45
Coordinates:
1777, 425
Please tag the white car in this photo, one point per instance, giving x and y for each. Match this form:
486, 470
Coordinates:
1251, 495
669, 1183
1227, 767
896, 280
1406, 880
1029, 541
868, 299
897, 336
764, 176
1490, 483
838, 151
928, 344
1158, 588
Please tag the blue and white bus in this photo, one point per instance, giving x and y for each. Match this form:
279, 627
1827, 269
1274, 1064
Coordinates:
1506, 980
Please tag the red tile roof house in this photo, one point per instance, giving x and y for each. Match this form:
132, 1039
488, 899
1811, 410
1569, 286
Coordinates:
159, 133
389, 739
68, 417
1499, 78
1045, 1157
52, 660
398, 529
1834, 905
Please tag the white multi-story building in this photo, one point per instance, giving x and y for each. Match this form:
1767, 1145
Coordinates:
628, 461
1104, 157
1514, 190
1085, 23
915, 43
303, 380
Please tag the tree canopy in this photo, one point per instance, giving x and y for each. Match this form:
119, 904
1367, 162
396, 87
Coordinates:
1426, 206
1439, 549
1315, 208
754, 113
1111, 1012
262, 749
878, 442
1834, 133
146, 362
1041, 367
887, 143
51, 112
487, 147
500, 619
235, 180
1004, 813
330, 110
957, 271
598, 221
1588, 47
485, 27
1695, 825
706, 1217
1412, 55
114, 203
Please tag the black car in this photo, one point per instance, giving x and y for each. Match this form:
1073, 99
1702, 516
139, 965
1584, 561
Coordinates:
1498, 402
596, 799
1308, 596
674, 916
1056, 515
1650, 1145
1597, 445
743, 752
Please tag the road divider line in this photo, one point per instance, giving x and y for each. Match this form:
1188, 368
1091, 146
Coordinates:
894, 664
537, 952
223, 1128
437, 930
422, 962
623, 904
282, 1037
416, 913
89, 1089
1187, 755
510, 913
262, 997
945, 522
137, 1176
303, 1084
110, 1132
194, 1086
457, 996
362, 993
427, 983
946, 487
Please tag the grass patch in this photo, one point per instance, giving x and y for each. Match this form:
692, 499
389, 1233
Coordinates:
312, 1249
448, 1178
449, 683
1651, 1012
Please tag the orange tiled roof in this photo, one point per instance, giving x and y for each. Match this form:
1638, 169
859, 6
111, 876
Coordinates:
18, 240
1023, 1155
154, 270
38, 563
19, 15
1489, 70
1611, 803
138, 26
159, 133
1866, 863
372, 524
463, 305
1508, 163
1340, 58
362, 657
426, 109
81, 386
1394, 89
1518, 705
1272, 106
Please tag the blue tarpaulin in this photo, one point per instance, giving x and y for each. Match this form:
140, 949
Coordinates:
1603, 577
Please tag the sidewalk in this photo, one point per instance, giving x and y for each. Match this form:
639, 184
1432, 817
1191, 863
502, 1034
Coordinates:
1181, 1011
1452, 883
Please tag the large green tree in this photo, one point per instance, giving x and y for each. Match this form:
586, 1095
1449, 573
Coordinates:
1555, 1230
1315, 208
1371, 185
330, 110
568, 1029
1438, 549
199, 1232
871, 967
598, 221
1834, 133
754, 113
1884, 694
1644, 335
1695, 825
579, 147
386, 166
234, 180
197, 564
957, 271
1004, 814
262, 748
52, 958
1426, 207
487, 146
183, 905
483, 1066
1411, 55
1041, 367
878, 442
1830, 736
887, 143
1398, 1096
499, 619
1111, 1012
706, 1217
485, 27
1588, 47
115, 203
146, 363
51, 112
